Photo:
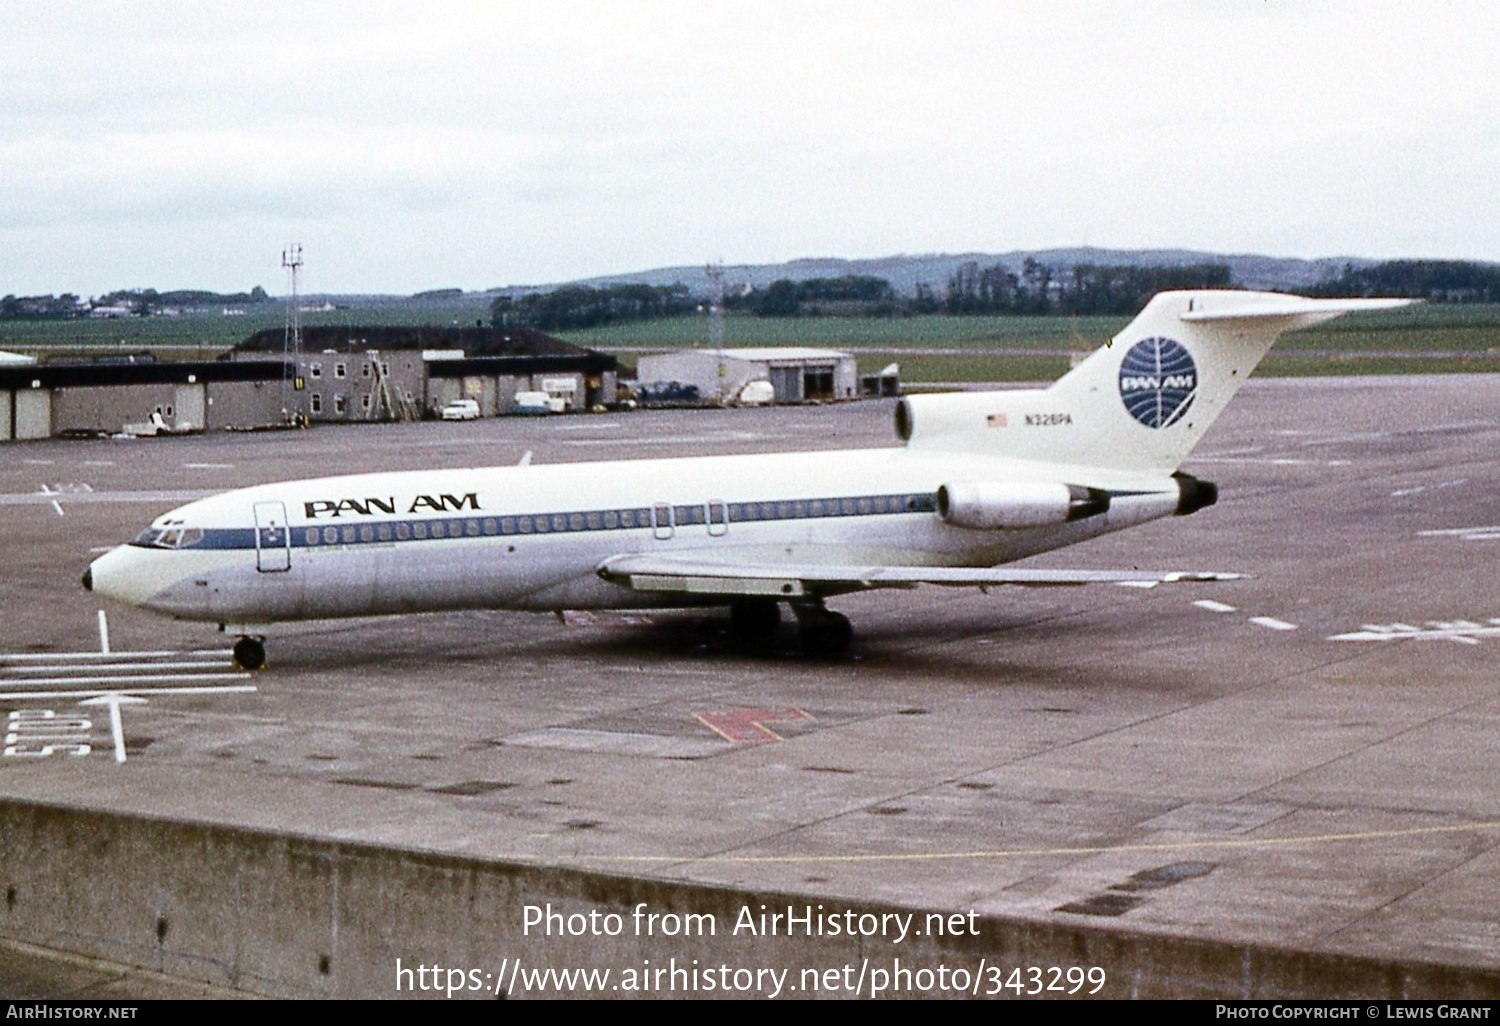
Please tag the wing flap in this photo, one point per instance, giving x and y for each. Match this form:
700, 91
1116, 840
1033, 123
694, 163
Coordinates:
690, 577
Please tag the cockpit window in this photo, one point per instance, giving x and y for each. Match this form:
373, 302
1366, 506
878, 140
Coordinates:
169, 536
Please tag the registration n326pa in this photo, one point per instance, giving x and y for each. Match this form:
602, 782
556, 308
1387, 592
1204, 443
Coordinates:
983, 479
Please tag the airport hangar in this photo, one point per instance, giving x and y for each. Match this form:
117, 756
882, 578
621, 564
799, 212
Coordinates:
344, 374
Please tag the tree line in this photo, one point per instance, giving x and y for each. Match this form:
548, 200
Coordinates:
1040, 289
852, 295
139, 302
1437, 281
580, 306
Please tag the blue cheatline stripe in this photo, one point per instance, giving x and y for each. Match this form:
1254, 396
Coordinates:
646, 518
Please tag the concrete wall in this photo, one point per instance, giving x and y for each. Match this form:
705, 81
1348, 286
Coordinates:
33, 416
506, 387
7, 415
712, 374
298, 917
191, 403
243, 404
108, 409
441, 391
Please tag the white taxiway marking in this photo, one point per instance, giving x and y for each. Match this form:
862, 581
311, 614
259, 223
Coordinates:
48, 491
209, 466
114, 701
1464, 632
98, 692
1416, 489
1275, 461
27, 498
124, 678
63, 657
38, 463
1214, 607
102, 668
1489, 533
722, 436
98, 463
1273, 623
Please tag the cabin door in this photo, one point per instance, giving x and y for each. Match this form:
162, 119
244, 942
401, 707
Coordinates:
273, 539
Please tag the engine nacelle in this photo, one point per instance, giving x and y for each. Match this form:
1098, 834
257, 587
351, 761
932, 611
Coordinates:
1004, 506
1194, 493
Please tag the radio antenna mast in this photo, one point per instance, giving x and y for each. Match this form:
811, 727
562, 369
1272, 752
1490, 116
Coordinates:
291, 259
715, 272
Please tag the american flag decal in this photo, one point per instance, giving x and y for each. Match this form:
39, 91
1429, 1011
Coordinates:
995, 420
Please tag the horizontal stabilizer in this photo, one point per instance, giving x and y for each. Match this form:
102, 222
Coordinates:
1292, 306
789, 581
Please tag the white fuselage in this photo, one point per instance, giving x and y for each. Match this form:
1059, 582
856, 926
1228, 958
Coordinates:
534, 537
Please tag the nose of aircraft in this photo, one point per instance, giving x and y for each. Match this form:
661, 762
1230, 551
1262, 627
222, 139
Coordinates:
126, 574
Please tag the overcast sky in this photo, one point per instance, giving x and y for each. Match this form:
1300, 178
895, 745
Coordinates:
417, 146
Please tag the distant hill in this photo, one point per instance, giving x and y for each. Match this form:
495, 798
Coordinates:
906, 272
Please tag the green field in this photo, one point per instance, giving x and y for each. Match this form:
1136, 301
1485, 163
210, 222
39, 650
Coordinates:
1422, 339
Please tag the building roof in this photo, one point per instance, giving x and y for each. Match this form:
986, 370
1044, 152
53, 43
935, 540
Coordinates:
80, 375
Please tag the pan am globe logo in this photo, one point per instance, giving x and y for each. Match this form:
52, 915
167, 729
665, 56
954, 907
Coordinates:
1158, 380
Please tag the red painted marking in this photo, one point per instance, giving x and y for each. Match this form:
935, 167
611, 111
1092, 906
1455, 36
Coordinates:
748, 726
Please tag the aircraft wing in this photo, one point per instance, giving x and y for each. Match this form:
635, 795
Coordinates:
793, 580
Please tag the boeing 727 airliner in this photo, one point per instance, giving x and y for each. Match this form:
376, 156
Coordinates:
983, 479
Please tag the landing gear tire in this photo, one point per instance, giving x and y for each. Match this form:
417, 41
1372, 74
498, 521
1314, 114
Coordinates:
826, 634
754, 621
250, 653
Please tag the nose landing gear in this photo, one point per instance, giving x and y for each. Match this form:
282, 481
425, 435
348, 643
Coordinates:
250, 653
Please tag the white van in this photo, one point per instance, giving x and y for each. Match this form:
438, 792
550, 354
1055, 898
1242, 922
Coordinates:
534, 403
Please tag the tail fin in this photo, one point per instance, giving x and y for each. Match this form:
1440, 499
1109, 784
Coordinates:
1143, 401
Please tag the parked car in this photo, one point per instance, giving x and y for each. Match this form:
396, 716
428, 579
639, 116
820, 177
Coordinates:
461, 409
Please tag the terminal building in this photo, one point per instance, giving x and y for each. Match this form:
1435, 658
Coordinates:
343, 374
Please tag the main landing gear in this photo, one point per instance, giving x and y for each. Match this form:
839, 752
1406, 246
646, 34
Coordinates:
823, 632
250, 653
754, 622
